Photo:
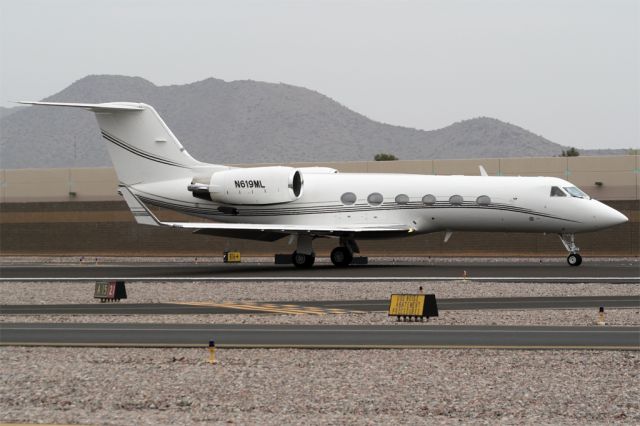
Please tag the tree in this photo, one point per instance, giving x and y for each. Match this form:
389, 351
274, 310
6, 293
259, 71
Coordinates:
571, 152
385, 157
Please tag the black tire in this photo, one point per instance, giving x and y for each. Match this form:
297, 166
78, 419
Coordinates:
574, 259
341, 257
301, 260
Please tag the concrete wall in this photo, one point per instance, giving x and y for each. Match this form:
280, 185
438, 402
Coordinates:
78, 212
108, 228
619, 176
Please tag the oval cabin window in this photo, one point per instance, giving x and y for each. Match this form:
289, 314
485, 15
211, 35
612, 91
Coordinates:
402, 199
429, 200
348, 198
456, 200
375, 199
483, 200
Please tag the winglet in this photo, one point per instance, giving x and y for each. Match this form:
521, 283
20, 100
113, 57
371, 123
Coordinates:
483, 172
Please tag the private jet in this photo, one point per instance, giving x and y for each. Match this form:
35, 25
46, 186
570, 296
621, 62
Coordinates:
306, 203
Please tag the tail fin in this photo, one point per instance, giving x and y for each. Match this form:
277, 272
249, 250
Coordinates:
141, 146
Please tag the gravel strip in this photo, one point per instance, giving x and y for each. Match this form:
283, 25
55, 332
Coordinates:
547, 317
114, 386
111, 386
16, 293
149, 292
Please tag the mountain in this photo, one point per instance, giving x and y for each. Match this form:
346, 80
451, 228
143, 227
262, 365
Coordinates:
8, 111
245, 122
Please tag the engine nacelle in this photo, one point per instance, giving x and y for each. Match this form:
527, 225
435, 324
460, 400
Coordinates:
250, 186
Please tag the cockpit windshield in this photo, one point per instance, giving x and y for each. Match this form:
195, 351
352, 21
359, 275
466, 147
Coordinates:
557, 192
575, 192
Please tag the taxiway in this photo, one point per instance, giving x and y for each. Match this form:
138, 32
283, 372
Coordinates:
544, 271
318, 307
416, 335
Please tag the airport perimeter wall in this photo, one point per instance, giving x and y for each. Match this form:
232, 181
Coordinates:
78, 212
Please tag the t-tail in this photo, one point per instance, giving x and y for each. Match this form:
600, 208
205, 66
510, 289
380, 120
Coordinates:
141, 146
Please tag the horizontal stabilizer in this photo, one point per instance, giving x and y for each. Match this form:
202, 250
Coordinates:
112, 106
142, 215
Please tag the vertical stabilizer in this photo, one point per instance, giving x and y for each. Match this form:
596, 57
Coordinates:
141, 146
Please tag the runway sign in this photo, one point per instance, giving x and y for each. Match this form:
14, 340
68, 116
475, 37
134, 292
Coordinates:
413, 305
110, 290
231, 257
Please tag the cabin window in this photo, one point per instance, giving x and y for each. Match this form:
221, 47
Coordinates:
428, 200
375, 199
348, 198
575, 192
483, 200
557, 192
402, 199
456, 200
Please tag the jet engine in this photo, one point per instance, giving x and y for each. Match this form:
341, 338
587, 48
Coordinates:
250, 186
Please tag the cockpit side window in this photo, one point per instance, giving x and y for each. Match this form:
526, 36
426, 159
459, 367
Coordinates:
575, 192
557, 192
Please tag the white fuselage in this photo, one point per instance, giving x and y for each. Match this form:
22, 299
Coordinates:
269, 203
515, 204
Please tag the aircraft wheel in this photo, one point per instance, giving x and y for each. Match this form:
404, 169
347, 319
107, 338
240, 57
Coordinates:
301, 260
341, 257
574, 259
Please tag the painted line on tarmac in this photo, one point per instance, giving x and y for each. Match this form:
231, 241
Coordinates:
319, 346
377, 279
269, 308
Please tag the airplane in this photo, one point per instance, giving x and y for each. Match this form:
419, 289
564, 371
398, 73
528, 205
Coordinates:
306, 203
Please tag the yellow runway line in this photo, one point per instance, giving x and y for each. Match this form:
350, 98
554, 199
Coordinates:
274, 308
248, 307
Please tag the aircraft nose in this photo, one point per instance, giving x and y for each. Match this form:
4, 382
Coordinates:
620, 218
613, 217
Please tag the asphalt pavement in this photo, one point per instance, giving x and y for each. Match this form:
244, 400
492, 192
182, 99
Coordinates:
589, 271
415, 335
320, 307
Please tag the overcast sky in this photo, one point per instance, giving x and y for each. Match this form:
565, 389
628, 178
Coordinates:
567, 70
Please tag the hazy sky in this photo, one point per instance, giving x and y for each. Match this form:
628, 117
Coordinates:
568, 70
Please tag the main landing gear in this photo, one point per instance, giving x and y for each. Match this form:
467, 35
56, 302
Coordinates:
574, 258
304, 257
341, 256
301, 260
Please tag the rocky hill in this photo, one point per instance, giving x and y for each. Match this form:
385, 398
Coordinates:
245, 122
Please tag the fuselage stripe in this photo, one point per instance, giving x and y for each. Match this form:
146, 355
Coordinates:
139, 152
203, 211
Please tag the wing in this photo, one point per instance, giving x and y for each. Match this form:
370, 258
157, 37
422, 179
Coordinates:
145, 217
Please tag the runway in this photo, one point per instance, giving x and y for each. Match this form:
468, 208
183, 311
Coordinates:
416, 335
589, 271
318, 307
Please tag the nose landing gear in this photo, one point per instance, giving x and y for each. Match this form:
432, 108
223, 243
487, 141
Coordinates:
574, 258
